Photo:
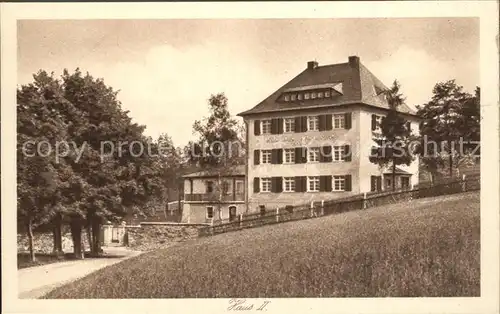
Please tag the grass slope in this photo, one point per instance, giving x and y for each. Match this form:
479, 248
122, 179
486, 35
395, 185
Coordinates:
428, 247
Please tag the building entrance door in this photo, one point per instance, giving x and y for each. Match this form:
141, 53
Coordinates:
232, 213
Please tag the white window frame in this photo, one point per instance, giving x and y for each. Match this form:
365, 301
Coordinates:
320, 94
267, 123
288, 184
288, 125
316, 123
293, 97
316, 181
340, 117
299, 96
206, 212
340, 149
287, 97
306, 95
338, 183
289, 152
313, 95
328, 94
267, 185
313, 152
265, 156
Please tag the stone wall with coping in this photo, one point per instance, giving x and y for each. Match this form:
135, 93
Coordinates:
155, 235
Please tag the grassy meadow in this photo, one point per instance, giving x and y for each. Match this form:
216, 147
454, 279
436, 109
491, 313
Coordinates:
428, 248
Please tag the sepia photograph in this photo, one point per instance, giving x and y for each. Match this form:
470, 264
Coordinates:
251, 160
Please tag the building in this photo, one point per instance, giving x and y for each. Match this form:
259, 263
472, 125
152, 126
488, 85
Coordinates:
214, 194
311, 139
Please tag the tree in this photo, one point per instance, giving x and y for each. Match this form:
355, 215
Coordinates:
392, 142
443, 120
40, 127
218, 145
115, 172
170, 163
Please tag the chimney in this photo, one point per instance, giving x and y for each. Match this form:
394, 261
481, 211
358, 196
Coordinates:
354, 61
312, 65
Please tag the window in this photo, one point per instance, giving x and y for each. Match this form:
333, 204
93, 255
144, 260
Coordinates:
289, 125
240, 187
405, 182
266, 127
313, 154
265, 185
313, 123
312, 184
287, 97
306, 96
289, 184
209, 186
266, 156
210, 212
327, 94
338, 183
338, 121
320, 94
299, 96
388, 183
293, 97
338, 153
225, 186
313, 95
289, 155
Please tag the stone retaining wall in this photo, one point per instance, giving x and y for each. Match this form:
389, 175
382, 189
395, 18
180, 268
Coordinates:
44, 243
154, 235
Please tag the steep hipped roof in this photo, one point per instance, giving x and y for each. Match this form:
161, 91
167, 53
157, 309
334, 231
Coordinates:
358, 86
233, 171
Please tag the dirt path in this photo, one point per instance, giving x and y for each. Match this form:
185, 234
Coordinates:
34, 282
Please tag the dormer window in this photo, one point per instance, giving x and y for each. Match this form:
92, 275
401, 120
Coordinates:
313, 95
327, 94
306, 96
292, 97
320, 94
299, 96
287, 97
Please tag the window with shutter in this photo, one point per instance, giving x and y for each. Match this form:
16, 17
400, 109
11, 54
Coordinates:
256, 127
276, 184
289, 156
348, 121
347, 183
266, 156
256, 185
280, 126
266, 126
313, 154
347, 153
325, 183
289, 125
328, 122
303, 124
339, 121
266, 184
256, 157
339, 183
321, 123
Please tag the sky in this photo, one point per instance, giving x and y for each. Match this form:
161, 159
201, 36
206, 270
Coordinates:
166, 70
